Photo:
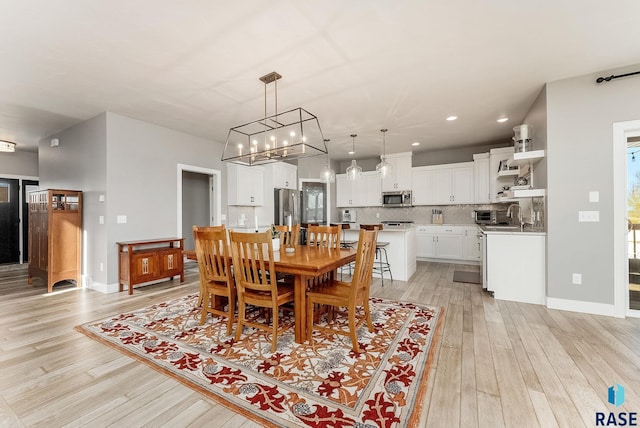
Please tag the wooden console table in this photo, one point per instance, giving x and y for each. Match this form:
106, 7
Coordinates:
149, 260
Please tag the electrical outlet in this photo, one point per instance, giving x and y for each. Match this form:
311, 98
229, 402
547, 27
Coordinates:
101, 219
101, 267
577, 278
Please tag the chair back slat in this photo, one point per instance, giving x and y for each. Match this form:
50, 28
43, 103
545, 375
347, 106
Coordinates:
363, 270
289, 238
252, 255
324, 236
211, 252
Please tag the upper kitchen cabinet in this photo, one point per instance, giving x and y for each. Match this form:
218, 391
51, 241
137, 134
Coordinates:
245, 185
449, 184
400, 177
482, 188
282, 175
363, 192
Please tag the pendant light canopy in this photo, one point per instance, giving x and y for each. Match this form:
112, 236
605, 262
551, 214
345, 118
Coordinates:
353, 171
384, 168
327, 175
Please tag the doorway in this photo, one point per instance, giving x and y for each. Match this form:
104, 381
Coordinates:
626, 224
27, 186
9, 220
199, 200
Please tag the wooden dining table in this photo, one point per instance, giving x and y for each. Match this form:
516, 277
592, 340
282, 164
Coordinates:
305, 264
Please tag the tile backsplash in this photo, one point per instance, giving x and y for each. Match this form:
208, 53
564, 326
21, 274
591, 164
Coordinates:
452, 214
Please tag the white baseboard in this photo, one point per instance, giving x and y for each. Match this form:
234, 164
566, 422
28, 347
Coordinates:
579, 306
103, 288
451, 261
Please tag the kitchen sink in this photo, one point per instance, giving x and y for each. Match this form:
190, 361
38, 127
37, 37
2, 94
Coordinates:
502, 227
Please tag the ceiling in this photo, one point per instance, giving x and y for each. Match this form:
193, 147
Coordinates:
359, 65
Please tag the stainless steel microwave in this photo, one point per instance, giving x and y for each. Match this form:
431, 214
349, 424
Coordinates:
396, 199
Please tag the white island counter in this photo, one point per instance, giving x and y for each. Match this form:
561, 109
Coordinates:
401, 249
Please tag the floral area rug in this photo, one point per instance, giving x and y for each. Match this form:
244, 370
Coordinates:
319, 384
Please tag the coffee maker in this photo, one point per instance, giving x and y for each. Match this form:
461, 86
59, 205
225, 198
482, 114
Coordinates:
348, 216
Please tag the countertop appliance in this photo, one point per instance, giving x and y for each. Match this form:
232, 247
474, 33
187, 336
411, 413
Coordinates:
491, 217
348, 216
286, 205
397, 199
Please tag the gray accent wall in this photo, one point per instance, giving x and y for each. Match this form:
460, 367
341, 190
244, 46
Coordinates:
79, 163
19, 163
580, 118
134, 165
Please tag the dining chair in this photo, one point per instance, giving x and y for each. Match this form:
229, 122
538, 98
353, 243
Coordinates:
216, 279
381, 249
256, 282
350, 295
324, 236
289, 237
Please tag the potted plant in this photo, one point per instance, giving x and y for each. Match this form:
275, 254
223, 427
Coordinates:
275, 236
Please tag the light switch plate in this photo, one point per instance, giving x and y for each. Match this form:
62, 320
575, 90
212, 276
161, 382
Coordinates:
594, 196
101, 219
589, 216
121, 219
576, 278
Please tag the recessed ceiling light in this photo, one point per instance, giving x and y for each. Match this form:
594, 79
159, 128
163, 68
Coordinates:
502, 119
450, 118
415, 144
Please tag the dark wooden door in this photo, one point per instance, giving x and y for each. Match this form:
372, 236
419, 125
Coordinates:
9, 221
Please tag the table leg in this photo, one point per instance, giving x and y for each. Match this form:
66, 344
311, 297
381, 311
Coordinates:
300, 303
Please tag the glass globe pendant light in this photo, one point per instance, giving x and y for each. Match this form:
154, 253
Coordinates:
353, 171
384, 168
327, 175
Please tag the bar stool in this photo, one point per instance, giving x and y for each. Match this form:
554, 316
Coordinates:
382, 266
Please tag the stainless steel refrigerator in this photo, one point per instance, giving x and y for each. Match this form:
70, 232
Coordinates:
286, 207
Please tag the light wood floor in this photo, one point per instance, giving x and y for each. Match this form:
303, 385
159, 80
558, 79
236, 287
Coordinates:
499, 364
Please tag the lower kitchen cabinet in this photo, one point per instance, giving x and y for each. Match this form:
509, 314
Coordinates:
448, 242
471, 243
515, 266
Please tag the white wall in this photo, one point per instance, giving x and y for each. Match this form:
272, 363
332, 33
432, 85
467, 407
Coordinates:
580, 117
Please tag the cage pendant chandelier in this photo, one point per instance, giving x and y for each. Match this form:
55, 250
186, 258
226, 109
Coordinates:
384, 168
354, 170
288, 135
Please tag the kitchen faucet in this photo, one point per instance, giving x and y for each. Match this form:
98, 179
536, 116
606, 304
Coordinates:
510, 214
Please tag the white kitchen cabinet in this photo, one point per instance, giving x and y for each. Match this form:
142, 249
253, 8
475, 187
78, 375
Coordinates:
439, 242
400, 178
482, 188
283, 175
515, 267
363, 192
245, 185
421, 180
448, 184
471, 244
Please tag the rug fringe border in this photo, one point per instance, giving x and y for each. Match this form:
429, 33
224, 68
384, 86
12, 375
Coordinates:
414, 419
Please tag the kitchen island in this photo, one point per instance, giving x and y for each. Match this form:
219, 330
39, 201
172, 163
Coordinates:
514, 264
401, 249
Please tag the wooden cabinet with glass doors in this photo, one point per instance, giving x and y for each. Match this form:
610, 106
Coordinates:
55, 236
